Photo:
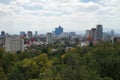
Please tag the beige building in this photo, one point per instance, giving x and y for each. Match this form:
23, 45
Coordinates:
14, 44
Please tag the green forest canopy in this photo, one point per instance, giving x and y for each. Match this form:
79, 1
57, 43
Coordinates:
98, 62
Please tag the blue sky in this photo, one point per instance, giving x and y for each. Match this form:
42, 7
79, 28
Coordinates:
44, 15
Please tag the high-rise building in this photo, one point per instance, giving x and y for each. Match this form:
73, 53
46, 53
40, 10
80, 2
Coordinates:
30, 35
36, 34
22, 34
58, 30
99, 30
14, 44
94, 34
3, 33
49, 38
88, 35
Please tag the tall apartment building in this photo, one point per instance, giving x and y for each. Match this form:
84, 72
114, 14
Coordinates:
3, 33
49, 38
14, 44
36, 34
91, 34
94, 34
29, 34
22, 34
99, 30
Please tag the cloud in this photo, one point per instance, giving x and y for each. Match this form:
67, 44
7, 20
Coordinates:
82, 14
86, 1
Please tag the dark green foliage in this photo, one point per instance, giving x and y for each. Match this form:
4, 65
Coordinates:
94, 62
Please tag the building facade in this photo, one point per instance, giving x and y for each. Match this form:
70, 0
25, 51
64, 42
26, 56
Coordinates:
49, 38
88, 34
29, 34
94, 34
58, 30
99, 30
14, 44
22, 34
64, 35
2, 33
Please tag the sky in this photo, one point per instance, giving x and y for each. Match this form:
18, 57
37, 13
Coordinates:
44, 15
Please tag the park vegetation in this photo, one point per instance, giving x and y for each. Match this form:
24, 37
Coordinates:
94, 62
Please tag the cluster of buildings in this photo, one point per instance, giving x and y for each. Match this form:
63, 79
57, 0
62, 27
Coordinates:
17, 43
95, 34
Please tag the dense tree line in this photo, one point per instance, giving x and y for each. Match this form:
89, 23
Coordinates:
96, 62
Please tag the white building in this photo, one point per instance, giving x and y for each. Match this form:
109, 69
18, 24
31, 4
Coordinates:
49, 38
14, 44
64, 35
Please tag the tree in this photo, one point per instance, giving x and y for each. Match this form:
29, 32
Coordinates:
2, 74
30, 68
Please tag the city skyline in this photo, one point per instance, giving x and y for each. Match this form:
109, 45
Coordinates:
44, 15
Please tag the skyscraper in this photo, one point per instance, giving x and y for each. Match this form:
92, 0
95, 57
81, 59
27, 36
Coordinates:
58, 30
30, 34
99, 30
22, 34
94, 34
36, 34
2, 33
49, 38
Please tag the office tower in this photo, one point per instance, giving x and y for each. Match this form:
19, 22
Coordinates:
36, 34
2, 33
49, 38
99, 29
22, 34
14, 44
94, 34
58, 30
29, 34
